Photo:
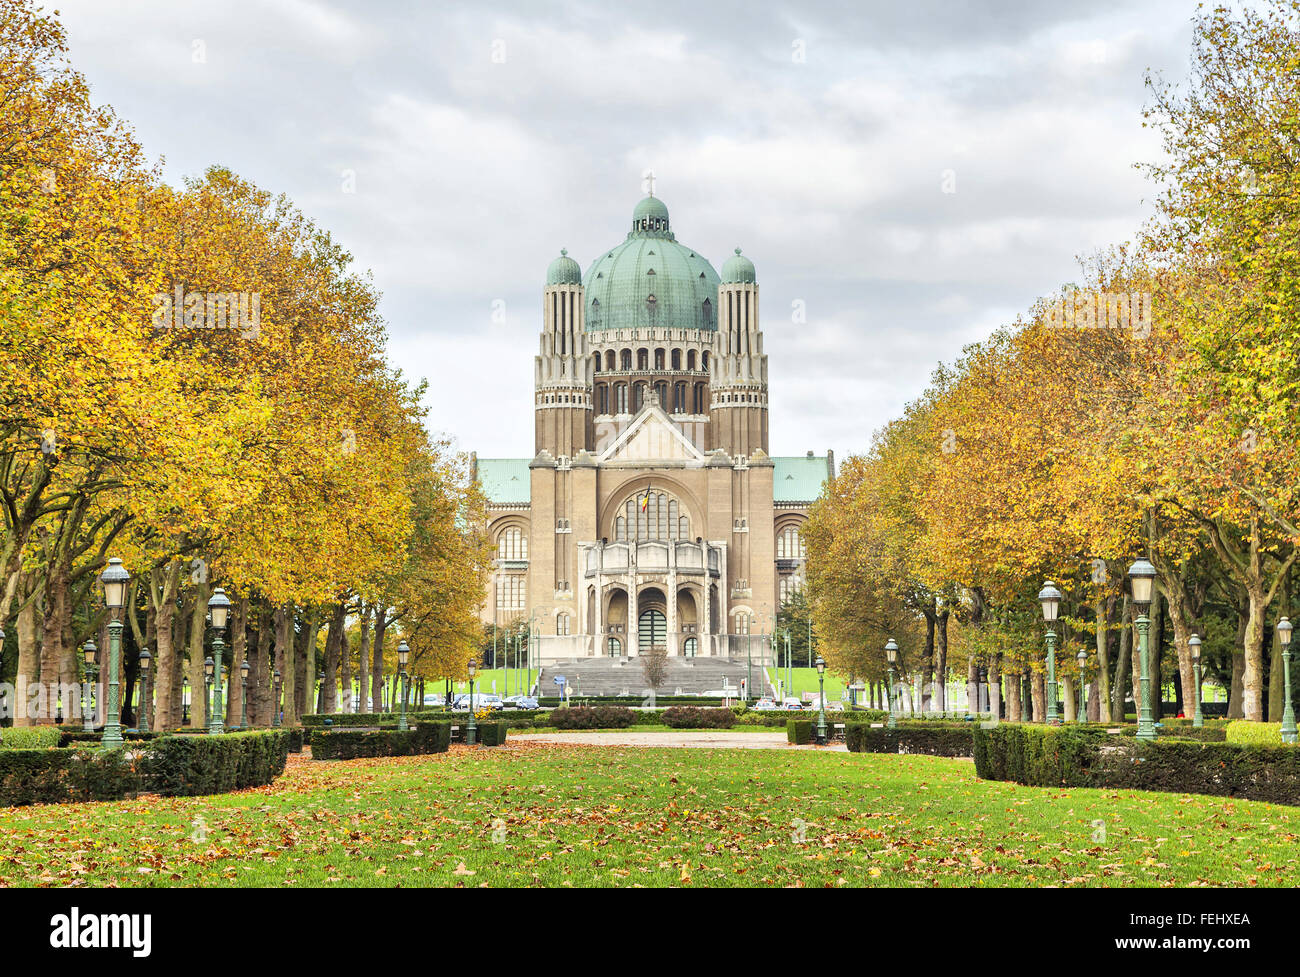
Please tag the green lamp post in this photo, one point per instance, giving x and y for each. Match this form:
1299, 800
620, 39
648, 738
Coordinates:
115, 580
185, 700
1288, 712
891, 654
142, 720
1142, 581
403, 656
219, 611
470, 731
207, 692
1050, 598
88, 651
821, 701
1081, 708
243, 698
279, 708
1194, 642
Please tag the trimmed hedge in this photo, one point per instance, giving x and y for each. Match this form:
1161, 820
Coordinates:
1256, 734
927, 738
190, 765
693, 717
799, 731
1041, 756
491, 734
594, 717
168, 765
30, 738
349, 744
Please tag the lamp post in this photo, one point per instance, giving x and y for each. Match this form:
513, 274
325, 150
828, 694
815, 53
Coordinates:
88, 651
821, 701
470, 731
185, 700
1198, 719
275, 701
1288, 711
243, 697
1050, 598
115, 580
1142, 579
207, 692
891, 654
142, 721
403, 655
1081, 707
219, 610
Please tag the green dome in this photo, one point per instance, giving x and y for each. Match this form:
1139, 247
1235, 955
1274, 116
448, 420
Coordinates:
650, 279
563, 271
738, 268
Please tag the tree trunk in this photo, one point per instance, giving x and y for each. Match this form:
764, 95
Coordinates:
1014, 701
199, 691
333, 641
1038, 694
238, 655
1103, 609
363, 659
995, 686
377, 664
927, 660
1123, 663
29, 652
941, 659
286, 650
56, 597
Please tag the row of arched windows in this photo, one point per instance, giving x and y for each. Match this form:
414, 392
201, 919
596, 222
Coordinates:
677, 398
790, 545
656, 517
512, 544
663, 359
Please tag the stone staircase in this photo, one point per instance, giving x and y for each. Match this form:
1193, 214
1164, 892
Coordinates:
625, 676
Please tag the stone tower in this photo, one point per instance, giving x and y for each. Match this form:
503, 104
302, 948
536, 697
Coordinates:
739, 376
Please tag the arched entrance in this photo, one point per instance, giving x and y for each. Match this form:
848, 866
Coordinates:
651, 620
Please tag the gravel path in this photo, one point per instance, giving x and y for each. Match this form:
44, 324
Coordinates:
721, 739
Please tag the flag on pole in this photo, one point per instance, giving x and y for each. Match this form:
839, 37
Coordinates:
645, 500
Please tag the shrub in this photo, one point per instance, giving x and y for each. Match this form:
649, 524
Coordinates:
349, 744
53, 776
1257, 734
190, 765
30, 738
931, 739
693, 717
593, 717
799, 731
492, 734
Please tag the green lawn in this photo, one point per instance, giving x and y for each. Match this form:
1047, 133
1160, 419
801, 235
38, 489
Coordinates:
575, 815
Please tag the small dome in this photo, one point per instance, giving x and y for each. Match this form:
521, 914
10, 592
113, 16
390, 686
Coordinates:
563, 271
738, 268
650, 207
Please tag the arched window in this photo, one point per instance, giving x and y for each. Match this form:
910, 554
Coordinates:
651, 629
614, 648
602, 398
652, 516
643, 359
690, 359
689, 647
661, 388
626, 358
704, 360
638, 397
742, 623
659, 359
512, 544
708, 314
698, 407
595, 363
610, 360
562, 624
790, 545
679, 398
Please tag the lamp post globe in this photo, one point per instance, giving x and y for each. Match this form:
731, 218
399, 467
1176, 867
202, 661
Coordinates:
115, 581
470, 731
1194, 643
821, 700
403, 656
1081, 708
142, 721
1288, 710
891, 655
1050, 599
218, 613
1142, 580
88, 654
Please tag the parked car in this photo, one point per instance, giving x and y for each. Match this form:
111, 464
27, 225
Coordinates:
519, 702
482, 700
791, 703
765, 705
433, 700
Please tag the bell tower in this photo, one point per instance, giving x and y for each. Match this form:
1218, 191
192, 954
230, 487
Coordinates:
563, 368
738, 381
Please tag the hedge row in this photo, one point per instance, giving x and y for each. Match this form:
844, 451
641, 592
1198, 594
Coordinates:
349, 744
693, 717
30, 738
1257, 734
1041, 756
927, 738
596, 717
169, 765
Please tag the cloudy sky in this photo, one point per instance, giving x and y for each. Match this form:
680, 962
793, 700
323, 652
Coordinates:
914, 173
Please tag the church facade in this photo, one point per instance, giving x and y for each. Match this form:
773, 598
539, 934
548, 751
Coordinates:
651, 513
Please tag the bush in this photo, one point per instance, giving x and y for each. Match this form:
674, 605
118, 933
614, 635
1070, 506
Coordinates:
30, 738
693, 717
1256, 734
349, 744
928, 738
55, 776
799, 731
593, 717
492, 734
191, 765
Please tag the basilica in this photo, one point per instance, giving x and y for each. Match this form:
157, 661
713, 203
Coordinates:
651, 513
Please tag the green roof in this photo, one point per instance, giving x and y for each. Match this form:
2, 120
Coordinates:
505, 481
799, 479
650, 279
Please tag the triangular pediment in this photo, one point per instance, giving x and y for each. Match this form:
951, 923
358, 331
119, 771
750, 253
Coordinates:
652, 437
